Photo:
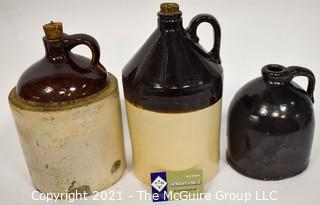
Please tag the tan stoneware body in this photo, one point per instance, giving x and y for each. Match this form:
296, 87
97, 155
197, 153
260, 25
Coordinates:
175, 141
72, 146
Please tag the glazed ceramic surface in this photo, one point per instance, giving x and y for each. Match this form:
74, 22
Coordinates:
61, 75
74, 146
271, 124
169, 83
67, 113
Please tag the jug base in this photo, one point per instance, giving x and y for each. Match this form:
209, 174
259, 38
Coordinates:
259, 177
90, 193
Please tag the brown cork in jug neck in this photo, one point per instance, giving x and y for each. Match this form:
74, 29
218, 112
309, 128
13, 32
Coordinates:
169, 9
53, 30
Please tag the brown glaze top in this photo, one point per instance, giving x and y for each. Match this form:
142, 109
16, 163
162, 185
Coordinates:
62, 75
171, 72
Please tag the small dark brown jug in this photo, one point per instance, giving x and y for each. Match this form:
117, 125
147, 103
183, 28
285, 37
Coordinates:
271, 124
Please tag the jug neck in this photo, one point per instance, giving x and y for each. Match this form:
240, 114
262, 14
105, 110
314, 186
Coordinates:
55, 52
276, 74
170, 23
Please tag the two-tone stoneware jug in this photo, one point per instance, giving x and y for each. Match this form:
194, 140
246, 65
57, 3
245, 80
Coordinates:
173, 92
67, 113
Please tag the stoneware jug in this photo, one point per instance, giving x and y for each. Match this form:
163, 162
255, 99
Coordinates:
67, 113
271, 124
173, 91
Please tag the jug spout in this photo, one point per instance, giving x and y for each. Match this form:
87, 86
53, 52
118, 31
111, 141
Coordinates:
170, 18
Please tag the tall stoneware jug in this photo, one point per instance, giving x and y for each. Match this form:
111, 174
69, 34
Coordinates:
173, 91
67, 113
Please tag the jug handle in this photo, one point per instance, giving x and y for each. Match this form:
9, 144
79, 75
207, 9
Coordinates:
295, 71
71, 41
214, 54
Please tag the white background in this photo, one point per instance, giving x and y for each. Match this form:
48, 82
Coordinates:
254, 33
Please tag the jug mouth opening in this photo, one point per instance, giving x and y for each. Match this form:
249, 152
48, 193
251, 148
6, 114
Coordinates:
274, 72
274, 68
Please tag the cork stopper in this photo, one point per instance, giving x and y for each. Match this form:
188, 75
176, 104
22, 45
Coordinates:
53, 30
169, 9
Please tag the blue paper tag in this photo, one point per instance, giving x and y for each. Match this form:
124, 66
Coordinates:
176, 185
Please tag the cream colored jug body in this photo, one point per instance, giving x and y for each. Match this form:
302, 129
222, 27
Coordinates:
75, 146
175, 141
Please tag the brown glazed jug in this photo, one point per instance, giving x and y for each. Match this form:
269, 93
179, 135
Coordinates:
67, 112
271, 124
173, 91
